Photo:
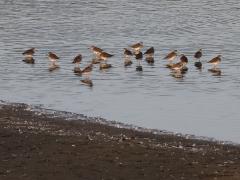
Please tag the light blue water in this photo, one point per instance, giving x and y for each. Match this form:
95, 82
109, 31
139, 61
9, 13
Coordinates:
200, 103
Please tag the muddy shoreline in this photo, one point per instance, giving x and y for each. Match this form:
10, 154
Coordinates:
36, 145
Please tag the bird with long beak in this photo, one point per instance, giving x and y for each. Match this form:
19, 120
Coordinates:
149, 55
96, 51
28, 55
104, 57
215, 61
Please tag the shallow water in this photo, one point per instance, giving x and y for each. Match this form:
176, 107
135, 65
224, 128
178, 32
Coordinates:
199, 103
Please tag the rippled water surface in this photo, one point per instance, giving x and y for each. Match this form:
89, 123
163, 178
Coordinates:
199, 103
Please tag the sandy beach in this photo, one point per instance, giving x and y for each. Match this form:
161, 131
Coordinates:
42, 147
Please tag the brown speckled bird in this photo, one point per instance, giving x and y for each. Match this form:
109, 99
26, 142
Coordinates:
149, 55
28, 55
137, 47
177, 66
215, 61
77, 60
171, 56
183, 59
53, 59
198, 54
29, 52
87, 70
127, 57
127, 53
149, 52
139, 55
97, 51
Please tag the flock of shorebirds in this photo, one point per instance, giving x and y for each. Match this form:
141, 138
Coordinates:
101, 57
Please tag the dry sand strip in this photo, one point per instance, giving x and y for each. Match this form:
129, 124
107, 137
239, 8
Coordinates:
37, 146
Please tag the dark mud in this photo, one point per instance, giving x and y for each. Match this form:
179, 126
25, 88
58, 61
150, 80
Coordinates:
40, 146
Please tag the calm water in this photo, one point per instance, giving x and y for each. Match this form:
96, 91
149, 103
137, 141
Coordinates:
199, 103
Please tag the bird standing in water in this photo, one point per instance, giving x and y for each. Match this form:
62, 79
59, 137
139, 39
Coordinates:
198, 56
104, 57
180, 68
149, 55
177, 66
127, 57
28, 56
96, 51
137, 47
87, 72
53, 58
170, 57
77, 60
184, 61
215, 61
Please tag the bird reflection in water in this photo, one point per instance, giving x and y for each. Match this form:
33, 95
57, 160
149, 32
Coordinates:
215, 62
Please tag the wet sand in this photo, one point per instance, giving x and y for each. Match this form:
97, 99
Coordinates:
42, 147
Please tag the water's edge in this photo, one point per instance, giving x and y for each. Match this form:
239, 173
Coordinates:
70, 116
